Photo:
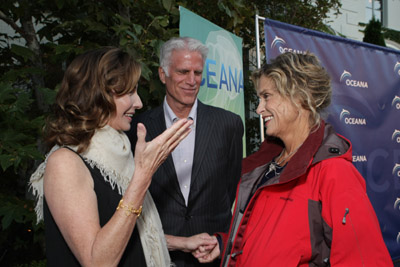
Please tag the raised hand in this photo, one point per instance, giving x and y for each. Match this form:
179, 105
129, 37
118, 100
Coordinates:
150, 155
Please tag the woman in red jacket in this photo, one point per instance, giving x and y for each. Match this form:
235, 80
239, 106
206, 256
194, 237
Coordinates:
307, 205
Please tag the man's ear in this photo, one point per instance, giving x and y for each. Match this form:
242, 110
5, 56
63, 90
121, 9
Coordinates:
161, 74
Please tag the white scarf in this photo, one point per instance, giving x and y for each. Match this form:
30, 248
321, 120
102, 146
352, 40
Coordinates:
110, 151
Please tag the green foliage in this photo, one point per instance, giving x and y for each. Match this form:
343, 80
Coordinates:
18, 146
21, 237
373, 33
391, 35
16, 210
388, 34
49, 34
308, 13
18, 149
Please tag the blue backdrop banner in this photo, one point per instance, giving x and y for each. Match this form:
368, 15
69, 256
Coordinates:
365, 108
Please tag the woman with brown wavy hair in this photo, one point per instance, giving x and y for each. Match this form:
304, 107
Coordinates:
91, 192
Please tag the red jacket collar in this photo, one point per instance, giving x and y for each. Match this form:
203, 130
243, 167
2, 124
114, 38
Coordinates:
297, 165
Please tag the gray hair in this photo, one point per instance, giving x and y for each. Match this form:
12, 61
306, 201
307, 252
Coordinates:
177, 44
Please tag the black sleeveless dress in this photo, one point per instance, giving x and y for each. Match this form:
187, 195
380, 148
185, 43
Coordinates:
57, 251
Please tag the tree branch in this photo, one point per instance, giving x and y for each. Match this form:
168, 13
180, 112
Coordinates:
13, 25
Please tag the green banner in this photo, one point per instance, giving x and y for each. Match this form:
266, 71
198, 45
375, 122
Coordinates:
222, 84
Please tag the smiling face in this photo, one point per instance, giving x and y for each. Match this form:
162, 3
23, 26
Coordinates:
183, 82
282, 118
125, 108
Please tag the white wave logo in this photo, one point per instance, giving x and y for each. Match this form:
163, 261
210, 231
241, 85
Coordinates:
396, 102
344, 113
345, 117
396, 136
277, 42
396, 170
397, 68
397, 204
346, 75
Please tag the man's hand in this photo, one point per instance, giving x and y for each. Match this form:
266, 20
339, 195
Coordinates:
192, 243
206, 254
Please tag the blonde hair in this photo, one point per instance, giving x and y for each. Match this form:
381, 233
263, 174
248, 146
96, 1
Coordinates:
302, 79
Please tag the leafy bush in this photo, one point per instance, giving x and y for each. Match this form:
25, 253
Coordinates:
21, 237
373, 33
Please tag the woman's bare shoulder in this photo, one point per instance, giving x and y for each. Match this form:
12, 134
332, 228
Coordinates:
62, 154
65, 165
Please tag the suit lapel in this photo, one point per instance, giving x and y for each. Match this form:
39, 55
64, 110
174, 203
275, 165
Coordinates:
204, 129
157, 126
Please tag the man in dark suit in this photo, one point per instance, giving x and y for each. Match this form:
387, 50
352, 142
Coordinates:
195, 187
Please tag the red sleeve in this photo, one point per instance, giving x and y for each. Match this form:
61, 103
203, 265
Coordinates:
222, 240
356, 235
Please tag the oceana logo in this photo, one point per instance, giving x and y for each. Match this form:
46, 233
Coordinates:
346, 76
345, 117
359, 158
280, 43
344, 113
396, 170
396, 102
397, 204
397, 68
396, 136
277, 42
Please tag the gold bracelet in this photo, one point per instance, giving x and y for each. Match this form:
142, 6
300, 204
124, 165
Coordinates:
129, 209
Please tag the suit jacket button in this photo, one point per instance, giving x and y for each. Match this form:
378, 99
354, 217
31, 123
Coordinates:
188, 217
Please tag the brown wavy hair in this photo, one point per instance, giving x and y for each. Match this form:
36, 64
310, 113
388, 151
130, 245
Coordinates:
85, 101
300, 77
